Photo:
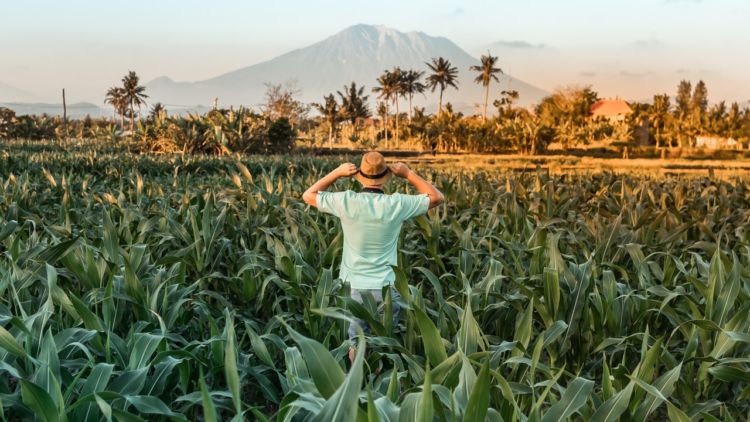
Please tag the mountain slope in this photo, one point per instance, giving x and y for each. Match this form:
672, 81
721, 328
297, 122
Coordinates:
359, 53
9, 93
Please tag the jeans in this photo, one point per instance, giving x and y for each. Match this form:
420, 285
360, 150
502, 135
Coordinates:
377, 294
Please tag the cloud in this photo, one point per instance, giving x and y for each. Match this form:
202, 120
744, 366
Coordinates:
518, 44
587, 74
649, 43
459, 11
636, 75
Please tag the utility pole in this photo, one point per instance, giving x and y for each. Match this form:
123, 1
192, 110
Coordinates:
65, 115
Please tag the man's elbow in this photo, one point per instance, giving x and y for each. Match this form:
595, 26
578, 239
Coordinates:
437, 199
310, 198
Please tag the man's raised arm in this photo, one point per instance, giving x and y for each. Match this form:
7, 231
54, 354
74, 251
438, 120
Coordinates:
311, 194
422, 186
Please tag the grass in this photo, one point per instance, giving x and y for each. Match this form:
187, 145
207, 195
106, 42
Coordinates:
200, 288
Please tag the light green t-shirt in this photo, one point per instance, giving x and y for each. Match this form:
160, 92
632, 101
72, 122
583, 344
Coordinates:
371, 223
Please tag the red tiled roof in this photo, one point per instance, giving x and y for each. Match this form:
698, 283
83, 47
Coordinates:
610, 108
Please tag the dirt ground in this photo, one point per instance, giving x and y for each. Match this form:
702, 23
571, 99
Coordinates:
558, 164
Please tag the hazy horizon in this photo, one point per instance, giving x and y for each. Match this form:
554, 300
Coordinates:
631, 50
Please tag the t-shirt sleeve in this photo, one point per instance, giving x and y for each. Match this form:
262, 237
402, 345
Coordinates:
330, 202
414, 205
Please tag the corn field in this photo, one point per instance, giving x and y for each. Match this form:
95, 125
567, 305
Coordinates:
141, 287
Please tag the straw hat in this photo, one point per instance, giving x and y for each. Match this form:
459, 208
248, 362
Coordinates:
373, 170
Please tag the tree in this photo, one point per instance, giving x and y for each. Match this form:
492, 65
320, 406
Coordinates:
381, 108
716, 119
658, 116
443, 75
116, 98
280, 102
329, 109
411, 83
684, 98
734, 120
387, 89
505, 104
354, 103
134, 95
158, 110
487, 72
281, 136
699, 102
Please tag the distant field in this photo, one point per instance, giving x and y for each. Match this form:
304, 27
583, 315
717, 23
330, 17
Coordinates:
644, 161
558, 164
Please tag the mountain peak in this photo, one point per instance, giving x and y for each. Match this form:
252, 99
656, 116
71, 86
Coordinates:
358, 53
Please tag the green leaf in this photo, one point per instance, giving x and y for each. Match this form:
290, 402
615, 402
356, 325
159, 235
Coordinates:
259, 347
393, 387
578, 302
39, 401
572, 399
152, 406
96, 382
129, 382
90, 320
677, 415
479, 401
323, 368
433, 343
554, 332
469, 336
144, 347
342, 406
9, 343
209, 410
611, 409
104, 407
729, 374
372, 410
523, 327
424, 409
467, 378
230, 366
664, 385
552, 290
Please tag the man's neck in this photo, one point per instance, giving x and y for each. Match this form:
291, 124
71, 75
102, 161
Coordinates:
373, 189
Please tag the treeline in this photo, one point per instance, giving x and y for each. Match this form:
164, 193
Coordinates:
345, 117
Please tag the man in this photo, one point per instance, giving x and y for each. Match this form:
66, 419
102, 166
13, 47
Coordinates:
371, 221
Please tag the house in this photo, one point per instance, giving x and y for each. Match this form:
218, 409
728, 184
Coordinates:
716, 142
370, 122
613, 110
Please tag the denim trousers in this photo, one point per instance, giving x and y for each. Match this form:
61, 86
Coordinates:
377, 295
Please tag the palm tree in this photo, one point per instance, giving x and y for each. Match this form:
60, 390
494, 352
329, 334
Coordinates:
443, 75
508, 98
487, 72
659, 110
398, 76
157, 110
353, 103
411, 83
134, 95
388, 89
381, 109
116, 97
331, 113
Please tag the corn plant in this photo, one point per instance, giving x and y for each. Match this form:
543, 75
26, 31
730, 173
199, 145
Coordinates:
140, 287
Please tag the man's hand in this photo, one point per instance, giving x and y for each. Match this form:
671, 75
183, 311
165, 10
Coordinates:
400, 170
346, 170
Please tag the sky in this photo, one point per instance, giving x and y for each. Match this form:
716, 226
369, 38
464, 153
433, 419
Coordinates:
629, 49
